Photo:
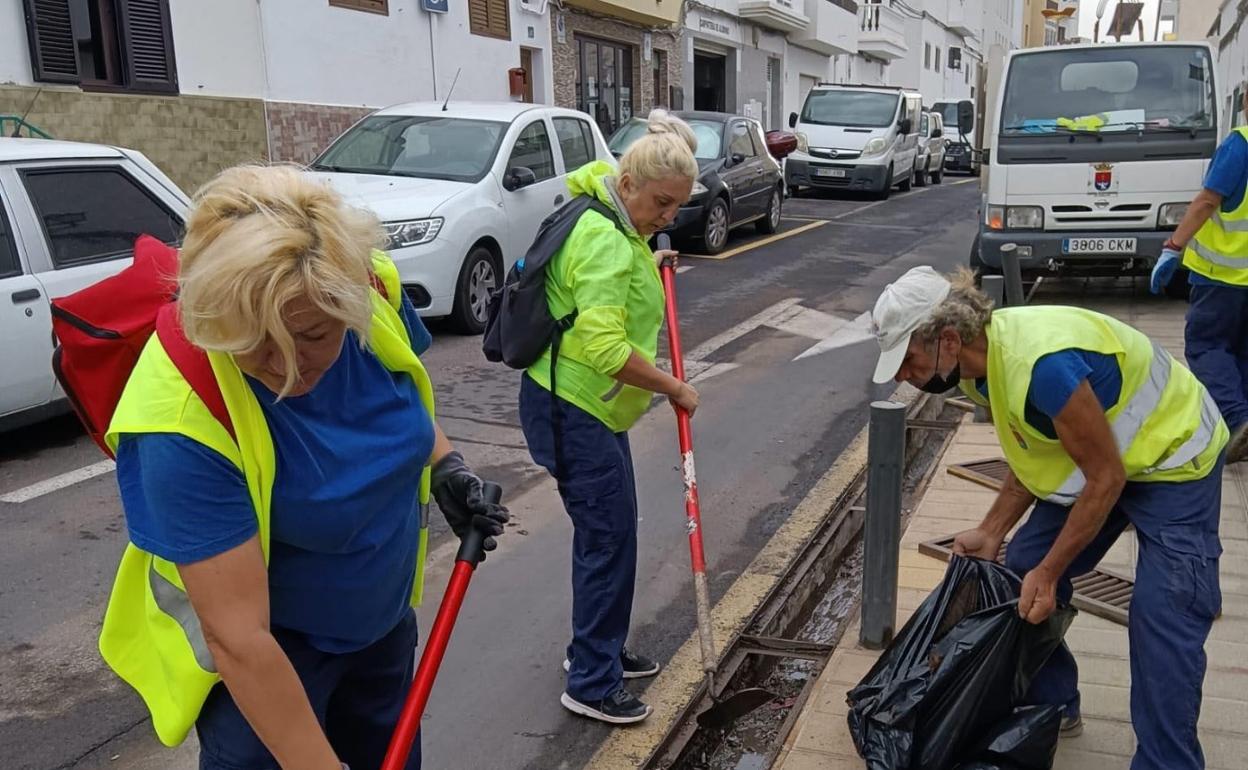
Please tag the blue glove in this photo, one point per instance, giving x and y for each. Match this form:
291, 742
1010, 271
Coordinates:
1165, 268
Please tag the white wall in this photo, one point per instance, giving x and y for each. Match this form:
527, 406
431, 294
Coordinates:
799, 62
325, 55
200, 32
14, 47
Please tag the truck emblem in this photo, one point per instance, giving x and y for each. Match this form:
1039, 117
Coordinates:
1104, 177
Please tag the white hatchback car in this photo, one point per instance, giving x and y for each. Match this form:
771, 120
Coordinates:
461, 190
69, 215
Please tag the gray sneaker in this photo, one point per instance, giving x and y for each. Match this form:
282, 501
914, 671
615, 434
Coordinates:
1237, 449
1072, 726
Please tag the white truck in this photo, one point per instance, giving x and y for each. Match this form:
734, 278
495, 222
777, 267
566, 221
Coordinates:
1094, 152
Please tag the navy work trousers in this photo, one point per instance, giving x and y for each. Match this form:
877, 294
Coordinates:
1176, 598
356, 696
600, 497
1216, 342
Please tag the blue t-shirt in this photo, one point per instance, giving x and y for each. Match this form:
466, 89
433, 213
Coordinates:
345, 511
1054, 379
1227, 176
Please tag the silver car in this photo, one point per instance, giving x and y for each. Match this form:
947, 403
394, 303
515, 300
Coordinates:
930, 163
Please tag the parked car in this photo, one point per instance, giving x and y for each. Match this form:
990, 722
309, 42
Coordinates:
460, 191
739, 182
931, 160
959, 152
69, 215
855, 138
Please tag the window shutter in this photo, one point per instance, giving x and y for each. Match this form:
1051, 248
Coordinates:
490, 18
52, 53
147, 45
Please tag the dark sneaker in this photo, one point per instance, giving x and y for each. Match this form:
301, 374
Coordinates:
621, 708
1237, 449
1072, 726
635, 666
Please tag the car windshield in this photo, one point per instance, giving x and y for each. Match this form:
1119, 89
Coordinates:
710, 136
454, 149
948, 113
1109, 90
858, 109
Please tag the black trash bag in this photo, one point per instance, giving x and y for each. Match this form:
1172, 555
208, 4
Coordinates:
1026, 740
959, 666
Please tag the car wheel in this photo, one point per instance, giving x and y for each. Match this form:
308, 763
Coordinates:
795, 192
887, 189
771, 220
920, 176
715, 227
478, 278
908, 183
938, 175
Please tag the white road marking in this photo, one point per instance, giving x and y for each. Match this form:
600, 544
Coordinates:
848, 333
683, 269
851, 212
968, 180
47, 486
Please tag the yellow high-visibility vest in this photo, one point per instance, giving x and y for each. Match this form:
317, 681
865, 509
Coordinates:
151, 637
1219, 250
1165, 423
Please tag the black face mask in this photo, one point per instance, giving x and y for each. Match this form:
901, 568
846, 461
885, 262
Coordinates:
938, 384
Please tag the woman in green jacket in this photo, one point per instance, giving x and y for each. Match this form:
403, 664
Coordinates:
606, 379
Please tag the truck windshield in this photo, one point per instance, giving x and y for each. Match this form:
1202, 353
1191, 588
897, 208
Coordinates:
858, 109
948, 113
1109, 90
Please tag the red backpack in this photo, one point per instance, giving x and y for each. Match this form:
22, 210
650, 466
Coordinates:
101, 330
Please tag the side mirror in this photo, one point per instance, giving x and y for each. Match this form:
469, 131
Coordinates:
966, 116
518, 177
737, 158
792, 120
905, 126
937, 133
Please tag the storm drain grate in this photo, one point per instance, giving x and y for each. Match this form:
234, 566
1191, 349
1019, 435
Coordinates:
989, 473
1099, 592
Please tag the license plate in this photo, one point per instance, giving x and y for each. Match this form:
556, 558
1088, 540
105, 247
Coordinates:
1098, 246
835, 172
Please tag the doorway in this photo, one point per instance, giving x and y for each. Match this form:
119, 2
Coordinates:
526, 64
604, 87
710, 78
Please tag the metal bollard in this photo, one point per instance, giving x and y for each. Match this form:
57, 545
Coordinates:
1013, 272
886, 449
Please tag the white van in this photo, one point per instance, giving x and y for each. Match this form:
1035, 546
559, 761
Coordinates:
856, 138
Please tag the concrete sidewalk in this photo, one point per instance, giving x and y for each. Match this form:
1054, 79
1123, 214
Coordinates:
821, 741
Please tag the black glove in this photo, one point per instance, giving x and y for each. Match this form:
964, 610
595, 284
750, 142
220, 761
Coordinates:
459, 494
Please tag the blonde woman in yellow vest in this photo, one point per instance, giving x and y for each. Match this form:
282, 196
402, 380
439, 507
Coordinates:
266, 595
1101, 428
1212, 243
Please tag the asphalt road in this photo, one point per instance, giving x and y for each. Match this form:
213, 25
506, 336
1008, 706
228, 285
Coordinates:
784, 384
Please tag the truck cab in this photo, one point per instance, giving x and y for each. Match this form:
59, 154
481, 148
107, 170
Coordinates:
1094, 153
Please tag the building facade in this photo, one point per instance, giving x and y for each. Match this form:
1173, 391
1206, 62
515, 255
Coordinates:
199, 86
1188, 20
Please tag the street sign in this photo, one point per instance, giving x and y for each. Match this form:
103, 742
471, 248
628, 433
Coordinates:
435, 6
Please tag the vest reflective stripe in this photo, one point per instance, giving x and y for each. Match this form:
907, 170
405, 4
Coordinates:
1230, 225
173, 602
1209, 255
1126, 426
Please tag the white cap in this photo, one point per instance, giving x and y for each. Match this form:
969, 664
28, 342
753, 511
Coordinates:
903, 307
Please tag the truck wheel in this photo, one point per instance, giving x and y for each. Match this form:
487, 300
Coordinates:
938, 175
920, 176
1179, 287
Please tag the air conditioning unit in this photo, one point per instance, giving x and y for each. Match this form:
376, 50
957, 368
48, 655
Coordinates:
534, 6
955, 58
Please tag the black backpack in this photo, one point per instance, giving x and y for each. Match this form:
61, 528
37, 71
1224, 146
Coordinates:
519, 326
